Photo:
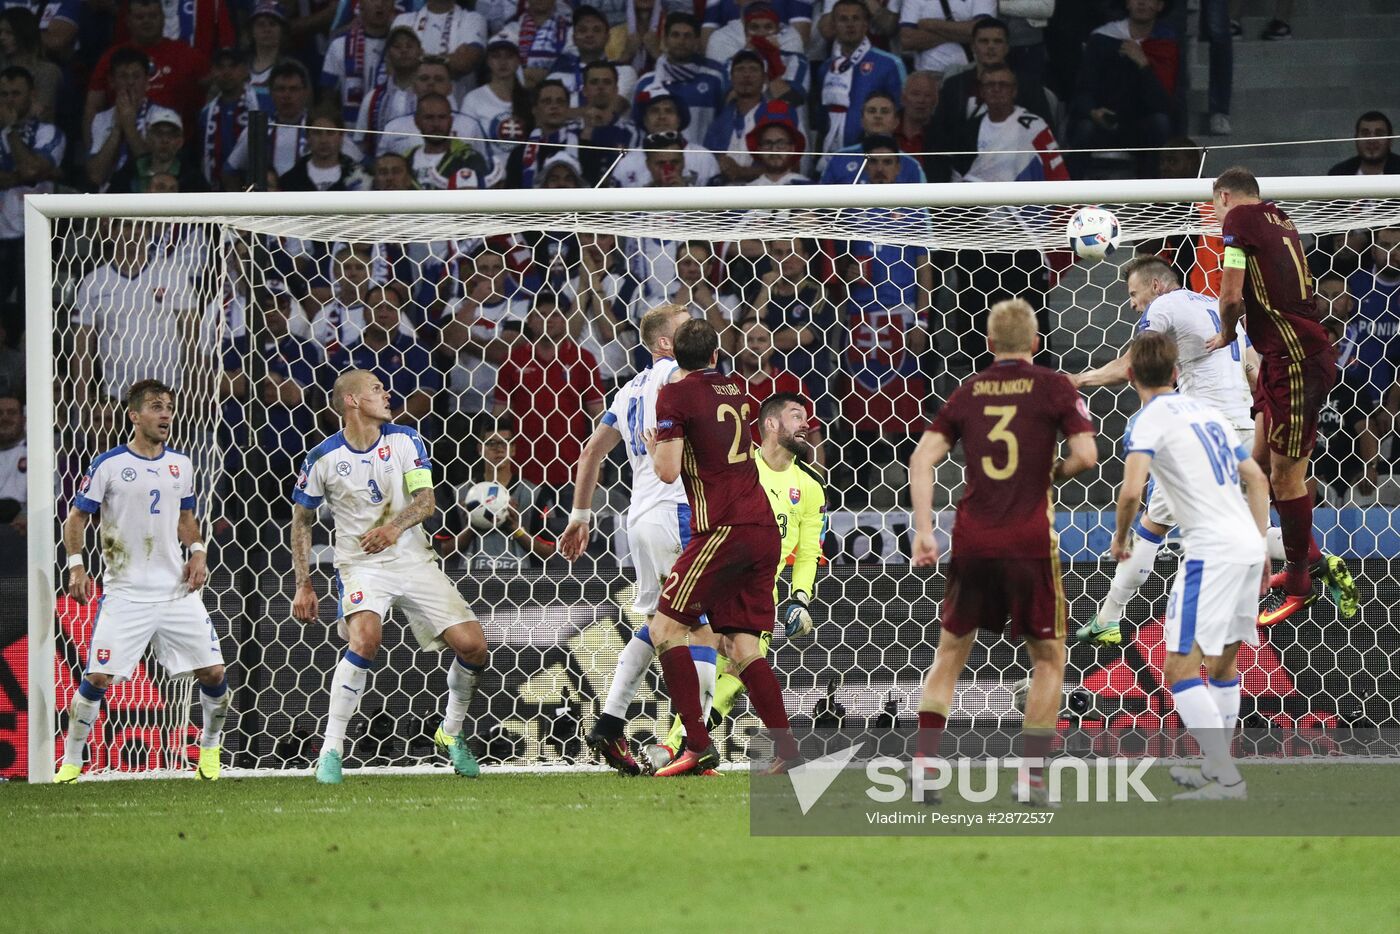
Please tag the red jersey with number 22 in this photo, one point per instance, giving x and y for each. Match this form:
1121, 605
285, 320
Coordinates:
1280, 316
711, 414
1009, 418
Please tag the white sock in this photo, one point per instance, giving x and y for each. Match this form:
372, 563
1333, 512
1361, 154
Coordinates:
461, 688
1130, 575
1202, 718
632, 665
706, 660
214, 702
347, 688
82, 714
1273, 540
1226, 695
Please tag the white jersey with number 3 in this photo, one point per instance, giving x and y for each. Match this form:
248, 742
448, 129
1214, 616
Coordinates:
1196, 457
1217, 379
365, 488
633, 413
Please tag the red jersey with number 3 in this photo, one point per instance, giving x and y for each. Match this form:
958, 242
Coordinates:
711, 414
1280, 315
1009, 418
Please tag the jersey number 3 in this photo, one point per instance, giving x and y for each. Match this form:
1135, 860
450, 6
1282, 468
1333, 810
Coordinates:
999, 433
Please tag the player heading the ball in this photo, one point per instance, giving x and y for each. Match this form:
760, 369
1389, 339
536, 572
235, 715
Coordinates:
703, 432
1006, 556
1196, 456
377, 479
1265, 279
143, 494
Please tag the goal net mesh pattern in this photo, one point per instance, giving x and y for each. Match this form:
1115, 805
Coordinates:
876, 313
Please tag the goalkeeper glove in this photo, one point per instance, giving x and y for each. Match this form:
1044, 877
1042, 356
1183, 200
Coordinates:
797, 620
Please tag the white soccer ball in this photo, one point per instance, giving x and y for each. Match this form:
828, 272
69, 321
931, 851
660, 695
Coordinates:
1093, 233
486, 505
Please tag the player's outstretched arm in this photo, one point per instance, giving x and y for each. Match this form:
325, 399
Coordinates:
74, 535
380, 537
196, 568
1129, 502
1110, 374
933, 447
304, 603
575, 538
1083, 455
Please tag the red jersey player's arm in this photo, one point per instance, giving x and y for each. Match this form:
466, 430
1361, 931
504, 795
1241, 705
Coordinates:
1083, 455
666, 458
933, 447
1232, 270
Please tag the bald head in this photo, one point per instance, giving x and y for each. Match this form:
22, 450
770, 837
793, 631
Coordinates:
349, 383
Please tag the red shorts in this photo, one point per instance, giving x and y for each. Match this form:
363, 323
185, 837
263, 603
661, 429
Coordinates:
726, 573
986, 592
1290, 395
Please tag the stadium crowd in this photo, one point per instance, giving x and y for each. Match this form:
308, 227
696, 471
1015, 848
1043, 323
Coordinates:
515, 342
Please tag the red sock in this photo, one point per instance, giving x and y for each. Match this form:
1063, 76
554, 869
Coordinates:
767, 698
1314, 552
683, 686
1037, 745
1295, 517
931, 732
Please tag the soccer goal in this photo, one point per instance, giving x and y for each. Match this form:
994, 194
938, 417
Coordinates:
508, 319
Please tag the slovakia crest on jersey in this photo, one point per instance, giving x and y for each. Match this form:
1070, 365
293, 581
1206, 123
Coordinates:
357, 597
794, 495
384, 453
175, 471
104, 656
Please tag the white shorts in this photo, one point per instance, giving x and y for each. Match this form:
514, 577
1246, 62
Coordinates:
179, 631
1213, 604
656, 540
426, 597
1159, 510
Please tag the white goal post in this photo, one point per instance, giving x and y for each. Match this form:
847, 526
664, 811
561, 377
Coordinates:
952, 220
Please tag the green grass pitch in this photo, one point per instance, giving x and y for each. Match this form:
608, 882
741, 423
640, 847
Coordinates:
594, 852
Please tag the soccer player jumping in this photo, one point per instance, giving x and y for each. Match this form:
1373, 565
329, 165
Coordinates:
1006, 555
1265, 280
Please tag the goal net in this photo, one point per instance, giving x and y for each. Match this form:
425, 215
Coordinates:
503, 321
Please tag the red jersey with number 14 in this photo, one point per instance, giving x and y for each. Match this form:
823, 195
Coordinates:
711, 415
1009, 418
1280, 315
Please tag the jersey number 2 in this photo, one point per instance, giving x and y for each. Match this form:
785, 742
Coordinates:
155, 501
1003, 414
738, 453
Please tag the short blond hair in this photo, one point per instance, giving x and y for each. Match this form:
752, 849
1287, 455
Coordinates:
660, 322
1011, 326
346, 384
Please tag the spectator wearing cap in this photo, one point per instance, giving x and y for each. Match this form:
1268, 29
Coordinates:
658, 112
291, 97
720, 13
589, 41
748, 91
354, 60
176, 71
447, 29
225, 117
119, 132
917, 103
325, 167
270, 48
777, 144
21, 46
440, 163
855, 70
938, 30
1373, 155
879, 120
688, 75
553, 132
432, 78
605, 121
541, 32
167, 155
31, 155
503, 99
757, 19
637, 41
396, 97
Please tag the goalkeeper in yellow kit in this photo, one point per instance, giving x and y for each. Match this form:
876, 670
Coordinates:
799, 505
